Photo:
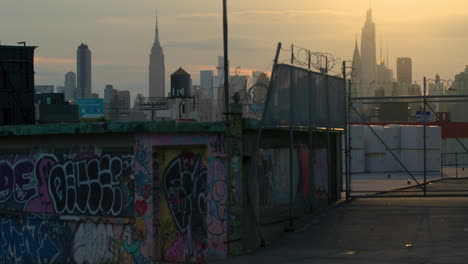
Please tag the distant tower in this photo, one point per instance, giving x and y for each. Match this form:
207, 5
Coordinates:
356, 72
368, 51
70, 86
206, 83
157, 71
83, 69
405, 70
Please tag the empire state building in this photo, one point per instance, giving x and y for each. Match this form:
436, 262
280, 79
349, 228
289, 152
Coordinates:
368, 52
157, 71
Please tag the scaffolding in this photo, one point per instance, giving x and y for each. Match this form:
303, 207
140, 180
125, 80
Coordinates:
352, 108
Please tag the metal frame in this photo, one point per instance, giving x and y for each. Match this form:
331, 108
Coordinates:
379, 100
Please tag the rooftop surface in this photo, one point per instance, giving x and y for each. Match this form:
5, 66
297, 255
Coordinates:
134, 127
124, 127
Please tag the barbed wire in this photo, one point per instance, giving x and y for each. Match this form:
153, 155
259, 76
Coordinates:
322, 61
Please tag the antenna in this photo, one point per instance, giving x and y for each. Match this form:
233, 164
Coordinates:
156, 17
381, 57
388, 61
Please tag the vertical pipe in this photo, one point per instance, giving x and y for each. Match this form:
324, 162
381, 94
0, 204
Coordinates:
327, 96
311, 104
226, 62
424, 139
291, 146
441, 165
456, 165
310, 59
253, 168
292, 53
346, 153
350, 84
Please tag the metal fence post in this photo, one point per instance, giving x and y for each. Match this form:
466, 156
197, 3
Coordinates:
424, 135
441, 165
291, 148
456, 165
350, 171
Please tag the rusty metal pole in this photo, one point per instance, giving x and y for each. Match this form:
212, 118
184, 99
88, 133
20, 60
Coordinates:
226, 62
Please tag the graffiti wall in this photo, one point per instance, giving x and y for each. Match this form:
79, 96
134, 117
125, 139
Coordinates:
163, 200
73, 205
54, 240
76, 184
188, 205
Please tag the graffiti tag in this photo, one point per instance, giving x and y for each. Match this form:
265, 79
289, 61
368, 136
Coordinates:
26, 244
88, 186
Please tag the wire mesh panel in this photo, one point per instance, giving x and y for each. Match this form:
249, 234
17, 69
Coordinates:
300, 98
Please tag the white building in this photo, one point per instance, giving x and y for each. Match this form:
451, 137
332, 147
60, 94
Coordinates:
207, 83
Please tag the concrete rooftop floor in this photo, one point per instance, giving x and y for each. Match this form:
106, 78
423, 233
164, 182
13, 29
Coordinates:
379, 230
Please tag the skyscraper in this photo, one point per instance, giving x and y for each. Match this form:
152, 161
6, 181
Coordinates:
356, 73
70, 86
83, 69
157, 71
368, 52
206, 83
405, 70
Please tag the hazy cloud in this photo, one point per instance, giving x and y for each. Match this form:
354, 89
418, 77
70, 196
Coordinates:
54, 61
126, 21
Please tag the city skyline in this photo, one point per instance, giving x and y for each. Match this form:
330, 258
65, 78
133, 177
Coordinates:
121, 37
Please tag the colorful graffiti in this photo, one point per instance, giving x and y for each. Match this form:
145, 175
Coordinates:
192, 206
52, 183
26, 243
185, 190
88, 186
54, 240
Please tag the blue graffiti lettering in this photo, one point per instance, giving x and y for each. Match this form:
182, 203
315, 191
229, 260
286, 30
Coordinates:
25, 243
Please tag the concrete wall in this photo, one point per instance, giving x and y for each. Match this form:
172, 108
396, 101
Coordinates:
315, 183
105, 198
67, 199
150, 197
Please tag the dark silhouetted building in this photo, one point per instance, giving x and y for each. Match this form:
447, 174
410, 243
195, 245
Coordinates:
180, 84
16, 85
70, 86
393, 112
51, 108
39, 89
405, 70
83, 69
60, 89
116, 104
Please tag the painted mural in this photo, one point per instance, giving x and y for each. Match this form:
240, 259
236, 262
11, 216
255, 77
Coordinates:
79, 183
73, 206
165, 200
187, 209
53, 240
